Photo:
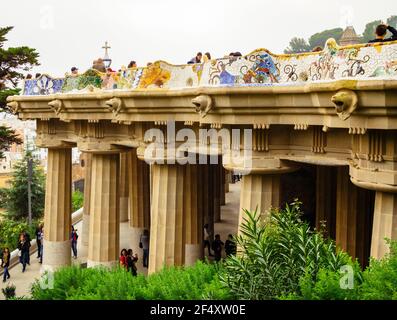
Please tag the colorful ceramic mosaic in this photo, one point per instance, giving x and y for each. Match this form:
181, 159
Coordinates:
259, 68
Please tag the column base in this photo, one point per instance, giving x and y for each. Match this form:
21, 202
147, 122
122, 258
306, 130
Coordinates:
193, 252
56, 254
106, 264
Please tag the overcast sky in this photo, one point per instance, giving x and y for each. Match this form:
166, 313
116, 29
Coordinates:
71, 32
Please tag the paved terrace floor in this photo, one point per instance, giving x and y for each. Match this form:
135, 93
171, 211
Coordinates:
23, 281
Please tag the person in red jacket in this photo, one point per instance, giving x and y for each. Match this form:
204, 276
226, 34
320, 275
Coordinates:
124, 259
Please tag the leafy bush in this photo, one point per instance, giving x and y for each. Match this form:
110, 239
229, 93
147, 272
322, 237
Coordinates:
9, 291
380, 278
174, 283
10, 231
77, 200
275, 253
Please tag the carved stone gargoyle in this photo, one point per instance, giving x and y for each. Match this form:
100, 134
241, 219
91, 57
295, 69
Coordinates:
202, 104
56, 105
114, 105
345, 102
14, 106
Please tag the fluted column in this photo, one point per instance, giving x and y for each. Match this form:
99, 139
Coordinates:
58, 207
261, 191
215, 169
139, 198
326, 199
228, 180
103, 246
193, 218
166, 229
207, 197
87, 200
222, 184
346, 212
384, 223
124, 187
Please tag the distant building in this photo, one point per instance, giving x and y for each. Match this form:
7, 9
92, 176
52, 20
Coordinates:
349, 36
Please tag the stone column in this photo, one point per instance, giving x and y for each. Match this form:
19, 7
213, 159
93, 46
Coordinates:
346, 213
87, 199
123, 187
259, 191
139, 190
208, 194
166, 229
228, 179
193, 218
58, 209
217, 191
103, 246
326, 199
384, 223
222, 184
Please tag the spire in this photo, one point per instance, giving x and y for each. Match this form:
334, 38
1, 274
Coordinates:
349, 36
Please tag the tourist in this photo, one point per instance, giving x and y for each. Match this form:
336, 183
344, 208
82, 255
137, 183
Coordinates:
28, 76
217, 246
73, 238
144, 245
123, 259
317, 49
237, 54
206, 57
230, 246
207, 239
380, 33
149, 64
131, 260
196, 59
23, 246
5, 263
39, 241
99, 65
75, 71
41, 238
38, 75
132, 64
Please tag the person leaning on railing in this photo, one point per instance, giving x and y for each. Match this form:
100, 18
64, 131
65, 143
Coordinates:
381, 31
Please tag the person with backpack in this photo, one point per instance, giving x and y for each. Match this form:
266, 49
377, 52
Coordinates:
73, 238
131, 260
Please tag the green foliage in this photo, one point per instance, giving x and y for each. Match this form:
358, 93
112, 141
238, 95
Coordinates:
174, 283
77, 200
319, 39
10, 231
15, 198
273, 255
9, 291
380, 279
13, 60
369, 31
7, 138
297, 45
392, 21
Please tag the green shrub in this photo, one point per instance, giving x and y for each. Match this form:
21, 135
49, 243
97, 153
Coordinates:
77, 200
380, 278
10, 231
174, 283
273, 255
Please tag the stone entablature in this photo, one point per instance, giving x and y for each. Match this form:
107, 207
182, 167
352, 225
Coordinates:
258, 68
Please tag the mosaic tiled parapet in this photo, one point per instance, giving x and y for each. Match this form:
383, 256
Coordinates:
259, 68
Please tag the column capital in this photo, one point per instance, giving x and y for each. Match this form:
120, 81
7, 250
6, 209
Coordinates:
383, 181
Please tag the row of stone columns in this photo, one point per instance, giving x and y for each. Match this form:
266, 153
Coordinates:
117, 188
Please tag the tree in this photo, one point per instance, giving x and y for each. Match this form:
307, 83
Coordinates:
15, 199
12, 62
77, 200
320, 38
369, 32
297, 45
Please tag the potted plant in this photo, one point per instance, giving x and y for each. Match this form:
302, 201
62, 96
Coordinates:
9, 291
